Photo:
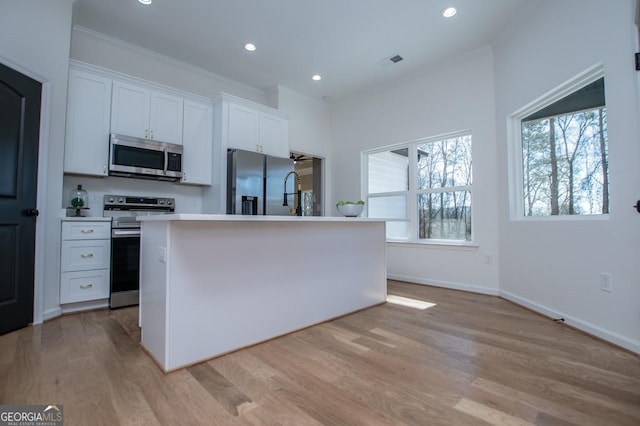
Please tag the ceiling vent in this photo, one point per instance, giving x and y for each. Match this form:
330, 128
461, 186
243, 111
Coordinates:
390, 60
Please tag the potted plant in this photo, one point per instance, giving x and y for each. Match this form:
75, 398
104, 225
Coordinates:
350, 208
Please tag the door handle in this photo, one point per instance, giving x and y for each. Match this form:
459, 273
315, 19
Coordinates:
30, 212
637, 206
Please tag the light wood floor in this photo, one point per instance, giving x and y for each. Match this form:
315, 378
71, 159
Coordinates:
469, 360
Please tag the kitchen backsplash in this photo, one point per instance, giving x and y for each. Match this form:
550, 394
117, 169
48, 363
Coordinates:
188, 198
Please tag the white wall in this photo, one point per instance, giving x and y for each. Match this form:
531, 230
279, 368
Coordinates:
309, 128
34, 39
458, 95
554, 266
310, 124
107, 52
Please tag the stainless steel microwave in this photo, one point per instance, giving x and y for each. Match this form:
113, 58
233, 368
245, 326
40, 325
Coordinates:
143, 158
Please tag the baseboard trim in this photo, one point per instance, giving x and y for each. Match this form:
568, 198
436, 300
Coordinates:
70, 308
446, 284
51, 313
586, 327
576, 323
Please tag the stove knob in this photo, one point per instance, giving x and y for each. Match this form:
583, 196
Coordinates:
121, 200
161, 201
111, 199
169, 202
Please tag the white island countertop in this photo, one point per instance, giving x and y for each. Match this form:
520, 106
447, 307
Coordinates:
211, 284
252, 218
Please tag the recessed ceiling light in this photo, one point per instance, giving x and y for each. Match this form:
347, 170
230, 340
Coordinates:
145, 1
449, 12
316, 77
250, 47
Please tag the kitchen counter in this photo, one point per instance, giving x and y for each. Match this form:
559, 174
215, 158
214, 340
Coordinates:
86, 219
256, 218
211, 284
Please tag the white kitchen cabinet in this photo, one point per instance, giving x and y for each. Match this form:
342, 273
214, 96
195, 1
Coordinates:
197, 139
88, 121
243, 125
254, 127
165, 117
274, 135
84, 286
85, 256
144, 113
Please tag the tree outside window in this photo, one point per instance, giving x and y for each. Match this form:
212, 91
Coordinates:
564, 156
444, 189
422, 189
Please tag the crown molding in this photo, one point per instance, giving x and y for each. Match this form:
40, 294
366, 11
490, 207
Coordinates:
164, 58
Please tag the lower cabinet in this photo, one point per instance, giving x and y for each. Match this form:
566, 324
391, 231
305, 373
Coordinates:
81, 286
85, 257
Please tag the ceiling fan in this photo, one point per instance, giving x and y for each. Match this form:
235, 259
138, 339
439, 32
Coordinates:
299, 157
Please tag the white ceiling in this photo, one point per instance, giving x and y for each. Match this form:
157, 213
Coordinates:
343, 40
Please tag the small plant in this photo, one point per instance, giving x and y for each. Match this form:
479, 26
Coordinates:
350, 208
342, 203
77, 202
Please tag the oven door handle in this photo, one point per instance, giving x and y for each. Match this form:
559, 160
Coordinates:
125, 233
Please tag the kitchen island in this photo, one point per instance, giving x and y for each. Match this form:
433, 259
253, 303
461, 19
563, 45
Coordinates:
212, 284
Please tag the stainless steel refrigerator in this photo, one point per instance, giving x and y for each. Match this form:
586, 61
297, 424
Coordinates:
255, 183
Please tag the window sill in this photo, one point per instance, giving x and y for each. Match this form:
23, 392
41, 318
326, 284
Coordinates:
562, 218
436, 244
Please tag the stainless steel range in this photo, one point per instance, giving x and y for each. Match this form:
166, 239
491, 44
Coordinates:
125, 242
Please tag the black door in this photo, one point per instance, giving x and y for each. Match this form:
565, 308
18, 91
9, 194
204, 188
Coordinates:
19, 134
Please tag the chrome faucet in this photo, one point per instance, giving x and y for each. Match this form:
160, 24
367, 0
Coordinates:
298, 192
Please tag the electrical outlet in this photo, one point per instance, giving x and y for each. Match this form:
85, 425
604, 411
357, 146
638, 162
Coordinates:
488, 259
162, 254
605, 282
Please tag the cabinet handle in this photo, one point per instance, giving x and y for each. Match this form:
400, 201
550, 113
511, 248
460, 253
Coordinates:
86, 255
86, 286
152, 134
104, 169
87, 231
146, 133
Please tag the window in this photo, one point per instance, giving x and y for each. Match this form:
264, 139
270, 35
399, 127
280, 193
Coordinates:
422, 189
565, 154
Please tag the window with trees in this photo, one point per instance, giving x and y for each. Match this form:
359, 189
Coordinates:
564, 155
422, 189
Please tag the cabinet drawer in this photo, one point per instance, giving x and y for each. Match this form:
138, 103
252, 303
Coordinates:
85, 230
78, 255
84, 285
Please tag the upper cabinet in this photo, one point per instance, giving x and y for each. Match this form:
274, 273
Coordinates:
140, 112
88, 120
197, 141
254, 127
242, 130
101, 102
274, 135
